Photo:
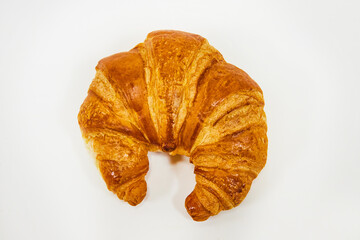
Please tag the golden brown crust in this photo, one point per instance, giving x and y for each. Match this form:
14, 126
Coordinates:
125, 72
176, 93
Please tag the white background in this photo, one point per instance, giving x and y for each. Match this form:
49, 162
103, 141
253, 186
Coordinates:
305, 56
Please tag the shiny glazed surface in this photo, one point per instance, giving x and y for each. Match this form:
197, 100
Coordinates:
176, 93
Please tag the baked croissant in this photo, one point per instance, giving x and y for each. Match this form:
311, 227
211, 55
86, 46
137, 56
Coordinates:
175, 93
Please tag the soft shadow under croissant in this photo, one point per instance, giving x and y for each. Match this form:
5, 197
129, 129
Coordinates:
176, 93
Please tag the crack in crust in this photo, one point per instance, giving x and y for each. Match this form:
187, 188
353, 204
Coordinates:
176, 93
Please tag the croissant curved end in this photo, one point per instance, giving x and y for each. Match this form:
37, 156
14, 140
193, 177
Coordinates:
195, 209
135, 193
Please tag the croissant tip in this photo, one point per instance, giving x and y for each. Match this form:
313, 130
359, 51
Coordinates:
135, 194
195, 209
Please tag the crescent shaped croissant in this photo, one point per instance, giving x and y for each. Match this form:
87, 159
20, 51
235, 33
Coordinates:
176, 93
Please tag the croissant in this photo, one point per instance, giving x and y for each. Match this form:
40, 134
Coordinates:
175, 93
